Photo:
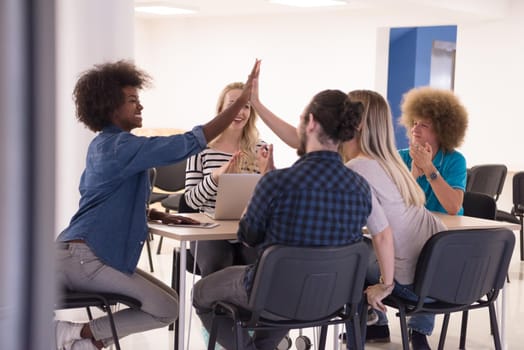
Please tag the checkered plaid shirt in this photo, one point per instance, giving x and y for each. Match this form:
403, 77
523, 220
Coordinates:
317, 201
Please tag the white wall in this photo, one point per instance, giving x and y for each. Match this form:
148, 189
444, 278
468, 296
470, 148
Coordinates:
192, 59
490, 82
86, 35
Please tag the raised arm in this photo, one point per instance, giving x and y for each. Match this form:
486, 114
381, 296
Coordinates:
284, 130
218, 124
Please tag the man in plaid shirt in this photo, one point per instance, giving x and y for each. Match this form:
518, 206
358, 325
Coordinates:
318, 201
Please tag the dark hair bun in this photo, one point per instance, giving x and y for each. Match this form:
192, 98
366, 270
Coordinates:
338, 115
350, 118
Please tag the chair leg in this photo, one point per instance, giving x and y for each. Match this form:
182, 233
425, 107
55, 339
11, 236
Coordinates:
357, 330
403, 328
89, 314
213, 334
463, 329
239, 336
443, 332
494, 326
322, 339
159, 246
148, 247
522, 238
107, 309
175, 278
363, 320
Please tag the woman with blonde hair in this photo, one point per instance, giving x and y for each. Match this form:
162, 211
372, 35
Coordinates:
436, 124
399, 223
233, 151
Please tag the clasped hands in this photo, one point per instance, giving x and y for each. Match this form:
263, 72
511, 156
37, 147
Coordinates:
421, 156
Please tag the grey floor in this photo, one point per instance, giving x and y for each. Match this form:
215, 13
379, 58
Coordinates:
478, 330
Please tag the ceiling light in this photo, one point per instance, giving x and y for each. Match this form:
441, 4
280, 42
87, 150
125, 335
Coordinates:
163, 9
309, 3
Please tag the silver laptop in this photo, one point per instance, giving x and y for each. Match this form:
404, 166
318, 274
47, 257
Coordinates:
233, 194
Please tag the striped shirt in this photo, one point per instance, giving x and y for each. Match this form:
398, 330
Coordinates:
201, 189
316, 202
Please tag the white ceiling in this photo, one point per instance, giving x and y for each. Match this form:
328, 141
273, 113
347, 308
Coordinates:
423, 10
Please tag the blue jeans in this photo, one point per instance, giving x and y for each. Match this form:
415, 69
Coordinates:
422, 323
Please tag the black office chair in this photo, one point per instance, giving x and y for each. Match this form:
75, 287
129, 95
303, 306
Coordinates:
74, 300
487, 178
517, 212
479, 205
152, 180
460, 270
170, 178
299, 287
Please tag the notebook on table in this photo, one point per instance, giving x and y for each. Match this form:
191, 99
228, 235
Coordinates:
233, 194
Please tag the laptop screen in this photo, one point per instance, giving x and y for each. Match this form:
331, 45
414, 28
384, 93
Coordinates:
233, 195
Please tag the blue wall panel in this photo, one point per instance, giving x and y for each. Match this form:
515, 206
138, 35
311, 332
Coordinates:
410, 65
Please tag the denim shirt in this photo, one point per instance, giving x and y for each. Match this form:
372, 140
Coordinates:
452, 168
114, 190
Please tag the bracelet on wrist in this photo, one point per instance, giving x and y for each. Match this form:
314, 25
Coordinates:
386, 286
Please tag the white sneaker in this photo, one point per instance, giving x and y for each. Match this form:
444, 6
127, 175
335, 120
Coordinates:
65, 333
84, 344
372, 316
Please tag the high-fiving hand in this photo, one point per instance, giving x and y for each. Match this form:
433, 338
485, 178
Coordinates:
234, 165
265, 161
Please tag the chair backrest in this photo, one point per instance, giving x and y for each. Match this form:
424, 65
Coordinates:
308, 283
461, 266
152, 178
171, 177
479, 205
183, 207
518, 192
487, 178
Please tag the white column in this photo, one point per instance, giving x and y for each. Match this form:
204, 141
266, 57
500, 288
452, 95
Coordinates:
88, 32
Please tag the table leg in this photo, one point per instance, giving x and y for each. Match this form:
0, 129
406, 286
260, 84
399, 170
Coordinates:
182, 296
336, 332
178, 284
175, 277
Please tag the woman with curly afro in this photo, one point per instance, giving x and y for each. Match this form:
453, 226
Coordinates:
100, 248
436, 123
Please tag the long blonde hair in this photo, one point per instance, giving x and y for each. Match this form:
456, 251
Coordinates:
250, 134
377, 140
